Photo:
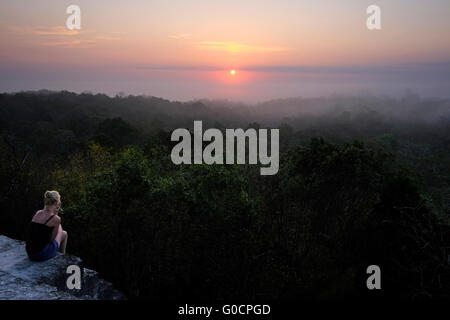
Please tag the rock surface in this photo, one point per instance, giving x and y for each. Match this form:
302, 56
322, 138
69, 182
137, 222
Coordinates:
22, 279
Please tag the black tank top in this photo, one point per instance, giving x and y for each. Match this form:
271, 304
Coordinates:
38, 236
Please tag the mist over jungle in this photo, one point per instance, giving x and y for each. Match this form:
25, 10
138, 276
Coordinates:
363, 179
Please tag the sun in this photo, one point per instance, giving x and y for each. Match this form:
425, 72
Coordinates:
233, 72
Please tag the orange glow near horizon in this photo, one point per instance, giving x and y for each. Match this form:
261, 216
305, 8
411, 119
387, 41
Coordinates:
176, 48
226, 77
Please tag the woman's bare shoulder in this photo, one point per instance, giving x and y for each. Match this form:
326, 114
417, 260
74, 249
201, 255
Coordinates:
55, 221
42, 217
37, 215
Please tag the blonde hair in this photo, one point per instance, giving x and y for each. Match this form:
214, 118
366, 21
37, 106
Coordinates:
51, 197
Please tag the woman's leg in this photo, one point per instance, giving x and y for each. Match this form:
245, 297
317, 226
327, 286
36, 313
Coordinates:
61, 238
62, 248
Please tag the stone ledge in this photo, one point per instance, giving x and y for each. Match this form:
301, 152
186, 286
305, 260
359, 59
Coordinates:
23, 279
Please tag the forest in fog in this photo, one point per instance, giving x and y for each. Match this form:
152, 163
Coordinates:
363, 180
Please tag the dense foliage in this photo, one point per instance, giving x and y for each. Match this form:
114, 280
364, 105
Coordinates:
158, 230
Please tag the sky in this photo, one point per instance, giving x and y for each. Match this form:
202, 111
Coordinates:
183, 50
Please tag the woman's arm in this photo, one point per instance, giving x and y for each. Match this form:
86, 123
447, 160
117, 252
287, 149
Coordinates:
56, 224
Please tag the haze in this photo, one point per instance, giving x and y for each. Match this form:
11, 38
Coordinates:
185, 50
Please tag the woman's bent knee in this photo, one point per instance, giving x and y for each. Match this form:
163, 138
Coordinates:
59, 237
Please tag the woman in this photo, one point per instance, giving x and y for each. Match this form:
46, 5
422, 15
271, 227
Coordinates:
45, 234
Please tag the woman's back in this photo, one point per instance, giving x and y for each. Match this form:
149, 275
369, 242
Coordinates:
39, 234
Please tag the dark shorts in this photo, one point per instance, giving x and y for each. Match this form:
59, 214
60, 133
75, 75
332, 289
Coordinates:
48, 252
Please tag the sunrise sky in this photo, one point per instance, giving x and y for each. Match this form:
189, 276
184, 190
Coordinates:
186, 49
